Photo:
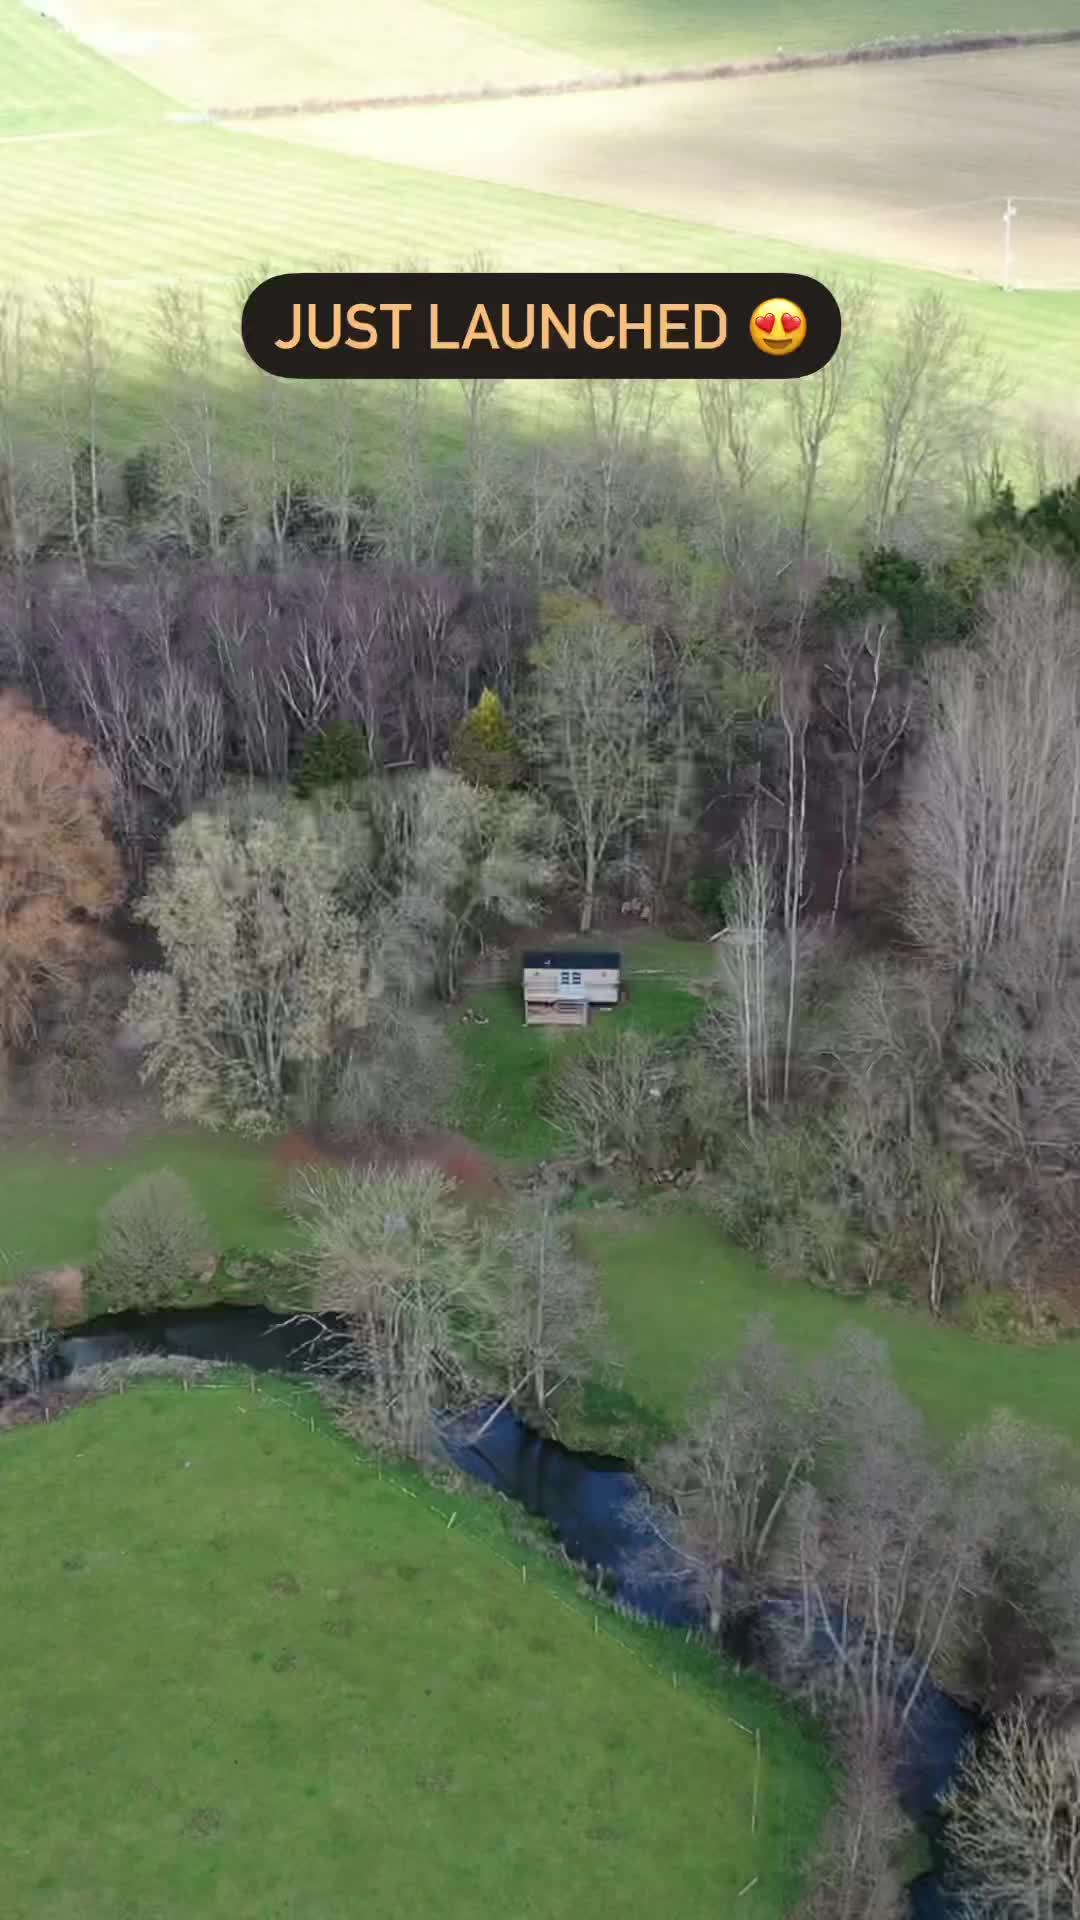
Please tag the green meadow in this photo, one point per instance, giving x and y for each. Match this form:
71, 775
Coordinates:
247, 1676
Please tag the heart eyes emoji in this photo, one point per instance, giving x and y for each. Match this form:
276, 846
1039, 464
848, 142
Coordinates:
778, 327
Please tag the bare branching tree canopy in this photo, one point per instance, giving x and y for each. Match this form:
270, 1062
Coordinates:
609, 1100
592, 734
264, 968
396, 1079
32, 469
880, 1549
551, 1329
193, 470
619, 419
396, 1256
857, 1872
1014, 1822
453, 852
733, 423
990, 819
865, 692
1024, 1607
818, 1480
928, 396
747, 1015
73, 343
818, 406
724, 1484
25, 1322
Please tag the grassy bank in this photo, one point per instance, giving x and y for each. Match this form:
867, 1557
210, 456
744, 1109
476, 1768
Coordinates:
679, 1297
50, 1198
252, 1677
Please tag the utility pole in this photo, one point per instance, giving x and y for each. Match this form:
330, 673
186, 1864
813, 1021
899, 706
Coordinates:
1009, 216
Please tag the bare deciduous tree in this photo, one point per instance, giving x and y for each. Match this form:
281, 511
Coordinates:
482, 491
620, 418
31, 469
414, 512
721, 1489
551, 1328
194, 479
926, 396
449, 853
1014, 1822
25, 1338
398, 1259
818, 406
76, 348
879, 1548
746, 1010
732, 415
856, 1872
609, 1099
591, 736
264, 968
866, 695
397, 1079
990, 822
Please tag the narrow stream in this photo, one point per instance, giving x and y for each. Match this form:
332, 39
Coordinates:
589, 1500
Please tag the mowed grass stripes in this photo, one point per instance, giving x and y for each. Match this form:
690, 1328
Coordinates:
51, 82
138, 209
242, 53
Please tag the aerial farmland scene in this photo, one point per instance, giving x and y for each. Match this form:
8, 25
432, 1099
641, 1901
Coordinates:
540, 967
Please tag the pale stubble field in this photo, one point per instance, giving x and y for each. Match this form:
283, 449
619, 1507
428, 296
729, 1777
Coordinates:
908, 163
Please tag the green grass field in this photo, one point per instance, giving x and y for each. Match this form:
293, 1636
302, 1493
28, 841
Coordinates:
508, 1066
679, 1297
661, 33
133, 211
50, 1199
247, 1678
234, 53
50, 82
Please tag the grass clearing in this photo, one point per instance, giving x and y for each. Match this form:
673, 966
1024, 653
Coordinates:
257, 1676
679, 1296
508, 1067
50, 1198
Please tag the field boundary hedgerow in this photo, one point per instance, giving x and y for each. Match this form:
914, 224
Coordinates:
610, 82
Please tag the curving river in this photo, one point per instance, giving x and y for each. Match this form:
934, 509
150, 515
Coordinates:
589, 1500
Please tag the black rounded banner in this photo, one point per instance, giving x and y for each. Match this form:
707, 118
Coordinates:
541, 326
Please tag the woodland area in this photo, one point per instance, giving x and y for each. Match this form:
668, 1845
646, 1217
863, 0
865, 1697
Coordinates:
615, 668
293, 730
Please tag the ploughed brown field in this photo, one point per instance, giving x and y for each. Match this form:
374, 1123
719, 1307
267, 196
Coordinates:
909, 162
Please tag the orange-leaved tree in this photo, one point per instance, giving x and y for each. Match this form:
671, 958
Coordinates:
60, 871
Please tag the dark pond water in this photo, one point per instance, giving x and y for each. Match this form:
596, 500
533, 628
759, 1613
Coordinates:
591, 1502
